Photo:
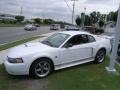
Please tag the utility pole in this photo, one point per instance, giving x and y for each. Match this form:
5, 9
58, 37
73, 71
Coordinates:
73, 10
21, 10
84, 16
111, 68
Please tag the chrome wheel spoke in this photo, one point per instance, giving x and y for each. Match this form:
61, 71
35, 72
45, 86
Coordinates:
39, 65
42, 68
46, 68
38, 70
100, 56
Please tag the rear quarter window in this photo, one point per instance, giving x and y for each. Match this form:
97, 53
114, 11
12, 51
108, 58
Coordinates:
91, 38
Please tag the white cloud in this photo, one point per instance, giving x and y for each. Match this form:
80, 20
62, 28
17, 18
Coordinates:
56, 9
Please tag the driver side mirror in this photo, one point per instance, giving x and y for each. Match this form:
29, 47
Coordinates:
68, 45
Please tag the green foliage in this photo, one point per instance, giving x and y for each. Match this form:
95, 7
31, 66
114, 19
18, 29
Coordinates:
19, 18
48, 21
78, 21
93, 17
37, 20
101, 23
87, 20
112, 16
115, 16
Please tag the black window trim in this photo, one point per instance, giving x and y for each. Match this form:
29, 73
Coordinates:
63, 46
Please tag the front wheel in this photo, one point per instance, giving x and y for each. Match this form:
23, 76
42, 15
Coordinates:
100, 56
41, 68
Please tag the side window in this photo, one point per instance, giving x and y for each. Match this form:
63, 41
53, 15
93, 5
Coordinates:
91, 38
78, 39
84, 38
74, 40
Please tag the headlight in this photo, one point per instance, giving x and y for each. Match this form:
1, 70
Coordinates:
15, 60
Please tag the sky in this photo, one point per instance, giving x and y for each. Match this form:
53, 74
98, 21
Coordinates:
56, 9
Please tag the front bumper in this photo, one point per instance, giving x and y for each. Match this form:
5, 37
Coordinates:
16, 69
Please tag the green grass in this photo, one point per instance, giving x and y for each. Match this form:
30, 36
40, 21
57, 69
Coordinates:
7, 82
11, 25
83, 77
9, 45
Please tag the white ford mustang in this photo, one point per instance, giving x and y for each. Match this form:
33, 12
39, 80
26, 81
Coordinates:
61, 50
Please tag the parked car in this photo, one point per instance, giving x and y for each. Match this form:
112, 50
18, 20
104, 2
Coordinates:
89, 29
62, 26
54, 27
37, 25
61, 50
71, 28
30, 27
93, 30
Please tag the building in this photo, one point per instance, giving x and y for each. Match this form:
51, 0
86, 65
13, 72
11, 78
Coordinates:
7, 17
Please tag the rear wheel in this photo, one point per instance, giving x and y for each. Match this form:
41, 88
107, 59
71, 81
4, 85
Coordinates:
41, 68
100, 56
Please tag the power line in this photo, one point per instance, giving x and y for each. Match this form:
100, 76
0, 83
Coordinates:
68, 5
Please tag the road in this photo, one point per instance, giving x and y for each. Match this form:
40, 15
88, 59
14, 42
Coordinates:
9, 34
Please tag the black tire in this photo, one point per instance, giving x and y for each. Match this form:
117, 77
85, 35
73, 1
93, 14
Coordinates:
100, 56
38, 70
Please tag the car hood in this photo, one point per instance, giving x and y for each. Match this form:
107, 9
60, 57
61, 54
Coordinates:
28, 49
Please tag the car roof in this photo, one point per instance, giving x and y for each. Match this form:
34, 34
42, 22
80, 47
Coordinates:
72, 33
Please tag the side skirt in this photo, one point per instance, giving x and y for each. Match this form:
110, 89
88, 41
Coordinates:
73, 63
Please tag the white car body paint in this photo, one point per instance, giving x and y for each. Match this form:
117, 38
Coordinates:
61, 57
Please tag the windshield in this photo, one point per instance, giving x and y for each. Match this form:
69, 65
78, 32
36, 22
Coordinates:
55, 40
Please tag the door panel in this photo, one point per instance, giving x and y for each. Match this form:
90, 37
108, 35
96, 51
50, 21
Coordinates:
77, 52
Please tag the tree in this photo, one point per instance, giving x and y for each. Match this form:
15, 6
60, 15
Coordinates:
37, 20
112, 16
103, 17
115, 16
98, 15
93, 17
101, 23
87, 20
48, 21
19, 18
78, 21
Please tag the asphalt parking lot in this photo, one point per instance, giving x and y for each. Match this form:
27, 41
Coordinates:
9, 34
